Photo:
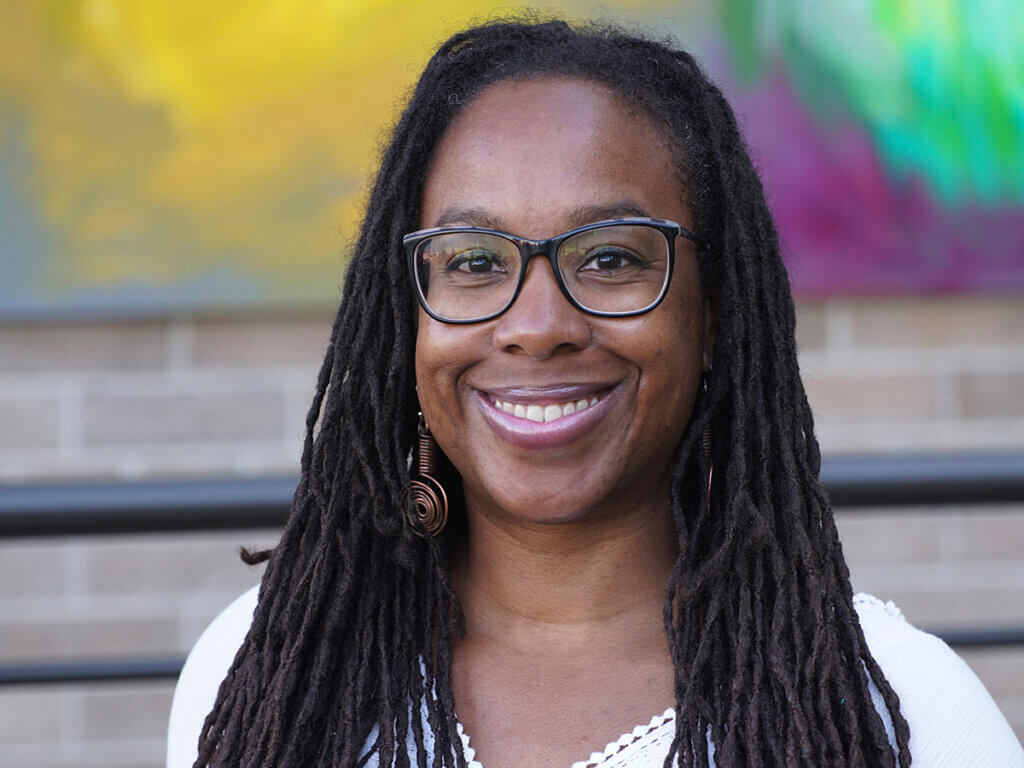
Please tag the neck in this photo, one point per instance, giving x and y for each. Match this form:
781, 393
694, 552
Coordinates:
527, 583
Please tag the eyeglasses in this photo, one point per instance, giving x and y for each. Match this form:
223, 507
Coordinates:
614, 268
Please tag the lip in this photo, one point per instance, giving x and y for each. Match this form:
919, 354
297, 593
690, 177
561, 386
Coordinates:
533, 435
548, 394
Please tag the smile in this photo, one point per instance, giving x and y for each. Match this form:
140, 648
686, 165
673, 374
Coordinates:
540, 419
542, 413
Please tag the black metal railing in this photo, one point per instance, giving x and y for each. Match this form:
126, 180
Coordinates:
74, 509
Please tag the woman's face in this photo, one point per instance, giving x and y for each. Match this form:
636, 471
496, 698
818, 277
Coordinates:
535, 159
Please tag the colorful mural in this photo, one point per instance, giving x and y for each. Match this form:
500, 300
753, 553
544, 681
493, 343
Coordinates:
891, 137
166, 155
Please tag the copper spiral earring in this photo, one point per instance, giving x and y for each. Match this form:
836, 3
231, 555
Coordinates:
429, 501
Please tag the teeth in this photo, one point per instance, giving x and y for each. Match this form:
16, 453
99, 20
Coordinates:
542, 413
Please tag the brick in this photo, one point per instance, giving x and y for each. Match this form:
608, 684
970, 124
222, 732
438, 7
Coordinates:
125, 752
139, 709
894, 398
297, 405
63, 638
810, 325
246, 341
75, 347
992, 395
153, 595
995, 534
894, 436
870, 537
171, 459
161, 417
28, 424
938, 321
30, 569
933, 608
29, 714
182, 563
950, 576
1000, 669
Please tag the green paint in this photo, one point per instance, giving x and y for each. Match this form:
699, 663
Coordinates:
739, 18
938, 84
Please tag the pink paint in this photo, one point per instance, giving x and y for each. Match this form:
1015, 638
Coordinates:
848, 226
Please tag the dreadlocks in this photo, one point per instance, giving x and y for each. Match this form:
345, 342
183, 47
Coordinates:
356, 618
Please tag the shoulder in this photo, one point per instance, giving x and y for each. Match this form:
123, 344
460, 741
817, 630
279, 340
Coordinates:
206, 666
952, 717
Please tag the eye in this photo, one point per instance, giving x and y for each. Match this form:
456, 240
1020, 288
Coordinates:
611, 260
476, 262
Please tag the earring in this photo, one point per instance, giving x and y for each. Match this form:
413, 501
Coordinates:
429, 501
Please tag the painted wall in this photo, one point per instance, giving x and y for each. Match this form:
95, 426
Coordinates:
172, 155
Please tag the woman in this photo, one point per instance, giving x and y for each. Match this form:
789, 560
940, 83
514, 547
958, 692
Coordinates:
635, 527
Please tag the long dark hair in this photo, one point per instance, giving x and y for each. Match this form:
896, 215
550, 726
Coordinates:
769, 655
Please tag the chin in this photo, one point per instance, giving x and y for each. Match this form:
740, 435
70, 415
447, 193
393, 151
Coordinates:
545, 508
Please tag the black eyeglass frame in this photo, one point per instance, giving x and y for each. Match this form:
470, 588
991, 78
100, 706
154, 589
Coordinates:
549, 248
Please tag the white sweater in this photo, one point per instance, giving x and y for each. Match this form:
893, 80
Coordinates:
954, 723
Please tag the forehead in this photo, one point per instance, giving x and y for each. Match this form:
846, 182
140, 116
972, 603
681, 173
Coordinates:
530, 153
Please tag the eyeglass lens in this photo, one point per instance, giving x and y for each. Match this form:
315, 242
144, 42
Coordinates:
472, 275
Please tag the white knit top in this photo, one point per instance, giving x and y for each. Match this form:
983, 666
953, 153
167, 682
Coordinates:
954, 723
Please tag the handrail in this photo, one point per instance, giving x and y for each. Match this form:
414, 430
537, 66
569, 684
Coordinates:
90, 671
98, 508
88, 508
91, 508
924, 479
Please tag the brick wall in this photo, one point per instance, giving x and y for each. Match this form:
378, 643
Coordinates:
187, 396
197, 396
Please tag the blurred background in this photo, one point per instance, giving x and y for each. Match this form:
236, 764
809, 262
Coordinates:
179, 184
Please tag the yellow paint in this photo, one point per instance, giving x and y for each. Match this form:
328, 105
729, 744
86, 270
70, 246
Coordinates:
170, 136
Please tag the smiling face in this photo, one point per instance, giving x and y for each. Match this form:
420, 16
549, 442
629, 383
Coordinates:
535, 159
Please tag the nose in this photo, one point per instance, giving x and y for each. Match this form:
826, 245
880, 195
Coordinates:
541, 321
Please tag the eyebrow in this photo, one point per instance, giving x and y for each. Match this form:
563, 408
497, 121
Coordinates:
584, 214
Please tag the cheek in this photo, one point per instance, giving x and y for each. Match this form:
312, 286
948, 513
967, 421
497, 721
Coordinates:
442, 354
433, 378
432, 384
673, 375
672, 366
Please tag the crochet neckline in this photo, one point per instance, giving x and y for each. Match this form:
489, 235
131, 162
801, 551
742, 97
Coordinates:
639, 733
